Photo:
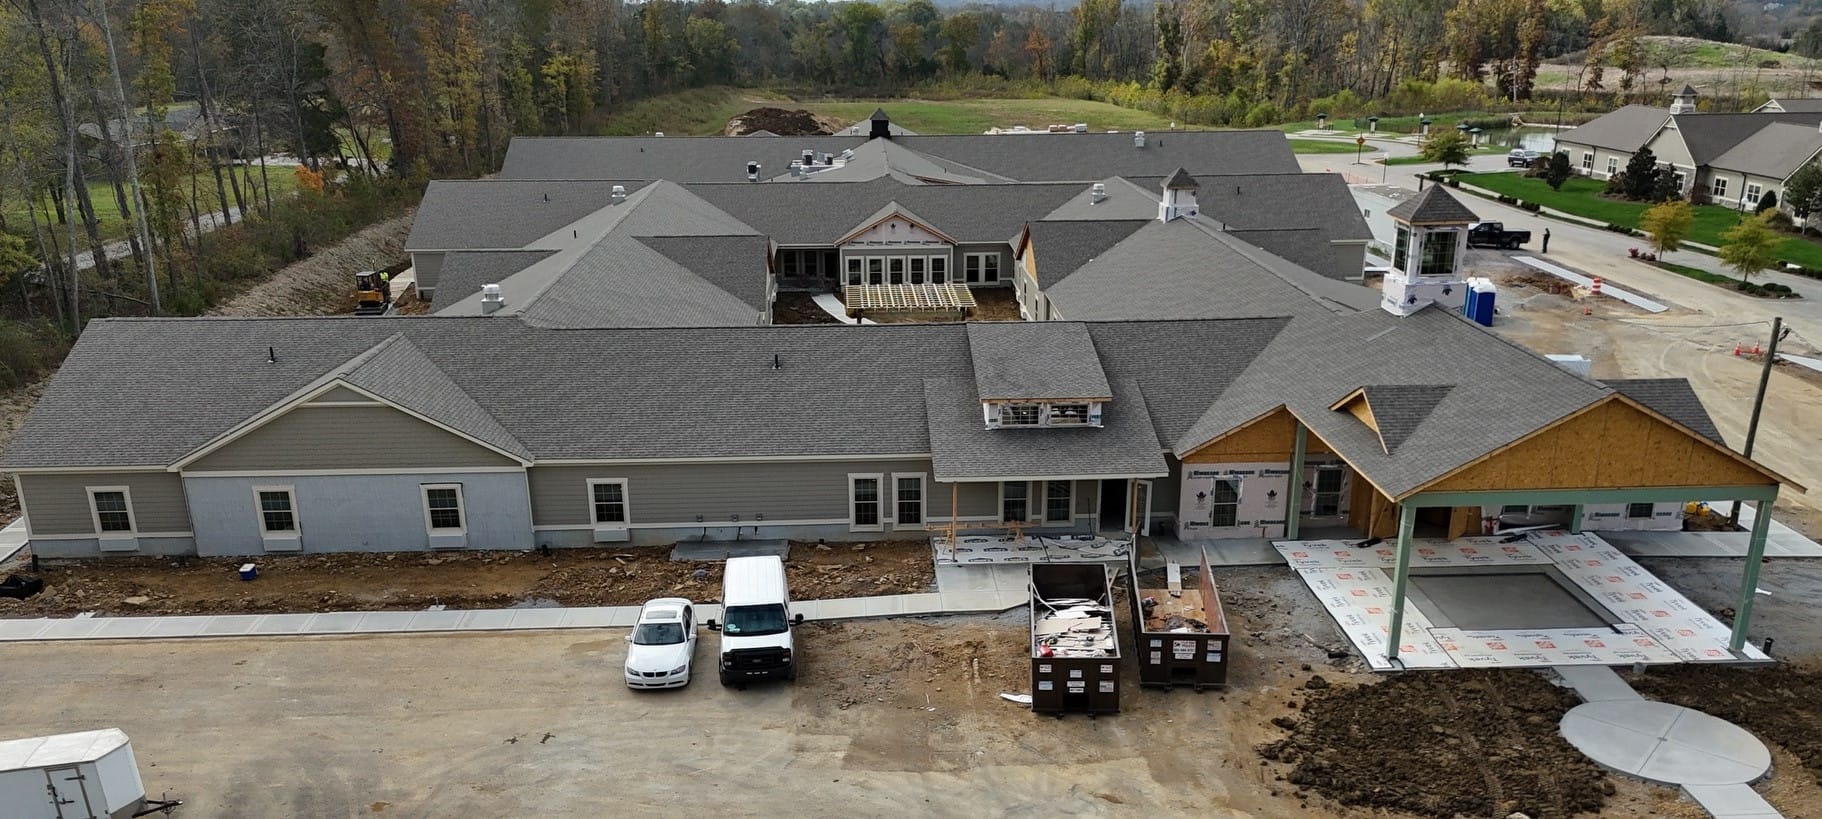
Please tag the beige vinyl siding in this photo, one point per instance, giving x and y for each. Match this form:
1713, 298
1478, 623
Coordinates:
58, 504
348, 438
1668, 146
340, 394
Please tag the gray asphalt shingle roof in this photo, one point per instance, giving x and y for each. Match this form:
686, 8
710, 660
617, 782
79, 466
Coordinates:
1672, 398
821, 214
1294, 215
963, 448
1775, 151
1625, 129
1708, 136
1398, 409
1189, 269
1035, 360
1061, 248
503, 214
464, 271
736, 264
398, 371
1063, 156
1434, 206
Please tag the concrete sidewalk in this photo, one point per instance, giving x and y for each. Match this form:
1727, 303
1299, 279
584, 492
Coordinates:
971, 590
12, 539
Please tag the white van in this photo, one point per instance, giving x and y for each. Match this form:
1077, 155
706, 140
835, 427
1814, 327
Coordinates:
756, 621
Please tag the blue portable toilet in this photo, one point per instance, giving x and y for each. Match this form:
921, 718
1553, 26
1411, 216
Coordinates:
1478, 306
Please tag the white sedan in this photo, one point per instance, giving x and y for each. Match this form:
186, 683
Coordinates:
662, 644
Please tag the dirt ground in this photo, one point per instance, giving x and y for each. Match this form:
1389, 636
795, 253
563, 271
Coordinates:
783, 122
324, 283
1624, 342
993, 304
799, 308
1781, 705
458, 580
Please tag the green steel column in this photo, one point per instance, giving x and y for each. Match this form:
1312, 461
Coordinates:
1575, 520
1407, 521
1294, 495
1749, 587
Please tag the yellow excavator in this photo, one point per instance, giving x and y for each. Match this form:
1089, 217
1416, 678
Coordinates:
372, 293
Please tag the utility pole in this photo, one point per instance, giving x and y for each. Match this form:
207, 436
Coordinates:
1758, 403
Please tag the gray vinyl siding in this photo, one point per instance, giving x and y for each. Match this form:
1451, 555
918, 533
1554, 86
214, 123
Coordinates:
348, 438
359, 513
427, 268
678, 493
977, 500
1007, 269
59, 505
1087, 494
340, 394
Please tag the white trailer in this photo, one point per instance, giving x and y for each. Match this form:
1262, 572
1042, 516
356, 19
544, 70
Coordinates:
85, 775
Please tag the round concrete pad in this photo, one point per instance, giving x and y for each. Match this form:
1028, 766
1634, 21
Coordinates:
1665, 743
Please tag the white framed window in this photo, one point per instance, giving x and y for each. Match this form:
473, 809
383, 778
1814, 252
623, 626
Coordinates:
1720, 188
854, 263
1753, 192
1224, 503
939, 270
444, 511
908, 499
981, 267
1639, 511
864, 503
1015, 501
111, 509
1067, 415
876, 270
895, 270
919, 268
1613, 165
1020, 415
277, 510
1059, 501
1587, 161
607, 501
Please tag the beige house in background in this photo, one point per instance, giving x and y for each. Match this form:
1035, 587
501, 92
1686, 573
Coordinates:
1722, 159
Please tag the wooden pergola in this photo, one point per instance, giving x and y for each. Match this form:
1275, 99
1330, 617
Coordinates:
907, 298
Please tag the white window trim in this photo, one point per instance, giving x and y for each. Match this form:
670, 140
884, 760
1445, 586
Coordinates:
1239, 491
626, 503
923, 500
1718, 187
126, 492
1587, 162
1000, 512
259, 512
1068, 518
879, 482
974, 268
461, 508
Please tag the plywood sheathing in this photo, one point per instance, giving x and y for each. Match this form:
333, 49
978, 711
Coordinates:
1614, 444
1269, 438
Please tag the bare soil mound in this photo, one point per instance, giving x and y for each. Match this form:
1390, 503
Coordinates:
1443, 744
1782, 705
458, 580
782, 122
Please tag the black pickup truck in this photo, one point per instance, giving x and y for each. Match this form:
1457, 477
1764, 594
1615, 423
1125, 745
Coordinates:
1494, 234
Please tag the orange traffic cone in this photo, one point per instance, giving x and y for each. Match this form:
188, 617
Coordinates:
1736, 350
1755, 348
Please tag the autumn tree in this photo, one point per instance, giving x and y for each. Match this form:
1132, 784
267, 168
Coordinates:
959, 34
1751, 246
1448, 148
1668, 223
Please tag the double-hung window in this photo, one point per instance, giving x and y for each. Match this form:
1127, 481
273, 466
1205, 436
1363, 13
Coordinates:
854, 274
1720, 188
909, 496
1015, 501
939, 270
1613, 165
277, 510
607, 501
443, 512
112, 507
1059, 501
1587, 161
1224, 504
864, 502
1328, 493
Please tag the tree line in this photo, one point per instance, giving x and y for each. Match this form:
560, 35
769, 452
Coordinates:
161, 116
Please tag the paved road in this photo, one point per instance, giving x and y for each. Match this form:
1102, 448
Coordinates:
1604, 253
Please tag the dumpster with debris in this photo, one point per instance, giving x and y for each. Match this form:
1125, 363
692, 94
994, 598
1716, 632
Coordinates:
1075, 651
1180, 629
85, 775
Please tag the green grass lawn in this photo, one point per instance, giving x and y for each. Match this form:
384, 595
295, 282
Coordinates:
1580, 196
1326, 146
1698, 275
705, 111
107, 213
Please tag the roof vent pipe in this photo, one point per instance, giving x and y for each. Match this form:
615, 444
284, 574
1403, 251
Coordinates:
619, 194
777, 364
271, 355
809, 158
1098, 193
491, 299
828, 158
1138, 139
752, 172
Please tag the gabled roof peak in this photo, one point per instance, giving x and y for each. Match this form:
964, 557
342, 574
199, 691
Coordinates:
1181, 181
1434, 206
879, 115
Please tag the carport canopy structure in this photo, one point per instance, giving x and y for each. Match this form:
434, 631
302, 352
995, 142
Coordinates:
1761, 496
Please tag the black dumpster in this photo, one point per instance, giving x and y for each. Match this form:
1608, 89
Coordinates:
1075, 649
1178, 626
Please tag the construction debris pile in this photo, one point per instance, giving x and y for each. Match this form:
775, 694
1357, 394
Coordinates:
782, 122
1177, 613
1074, 627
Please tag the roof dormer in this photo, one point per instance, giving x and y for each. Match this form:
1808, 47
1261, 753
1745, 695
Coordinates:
1038, 375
